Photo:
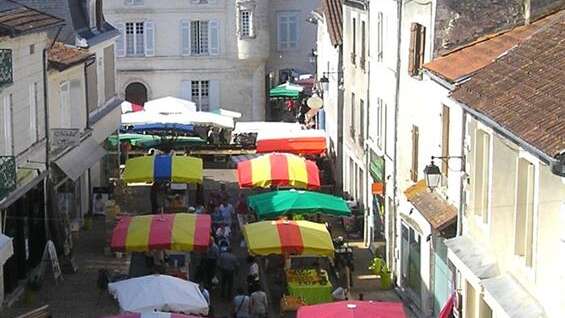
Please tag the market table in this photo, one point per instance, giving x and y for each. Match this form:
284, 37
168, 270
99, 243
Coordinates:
313, 293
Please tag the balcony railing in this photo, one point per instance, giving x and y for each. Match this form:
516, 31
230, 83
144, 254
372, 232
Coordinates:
7, 175
6, 74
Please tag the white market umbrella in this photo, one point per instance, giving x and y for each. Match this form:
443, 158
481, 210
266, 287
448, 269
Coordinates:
159, 293
188, 118
170, 106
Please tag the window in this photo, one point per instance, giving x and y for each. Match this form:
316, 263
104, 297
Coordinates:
417, 49
379, 38
134, 2
363, 46
33, 128
135, 44
482, 167
352, 118
525, 211
415, 150
6, 67
353, 41
32, 49
7, 125
245, 23
200, 94
199, 37
287, 31
445, 141
376, 121
361, 122
65, 105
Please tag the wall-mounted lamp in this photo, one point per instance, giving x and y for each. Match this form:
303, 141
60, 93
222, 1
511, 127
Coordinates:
325, 81
433, 173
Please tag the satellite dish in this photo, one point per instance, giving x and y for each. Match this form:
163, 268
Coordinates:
315, 102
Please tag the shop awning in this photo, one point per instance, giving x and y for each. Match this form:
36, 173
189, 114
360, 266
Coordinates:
438, 212
470, 258
287, 90
276, 203
6, 248
504, 292
309, 141
80, 158
168, 168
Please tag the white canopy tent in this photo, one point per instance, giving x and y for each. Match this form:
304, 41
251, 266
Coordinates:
159, 293
187, 118
169, 106
262, 126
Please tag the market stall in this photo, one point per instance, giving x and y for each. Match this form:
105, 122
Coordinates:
286, 202
306, 284
305, 141
278, 170
155, 314
159, 293
163, 168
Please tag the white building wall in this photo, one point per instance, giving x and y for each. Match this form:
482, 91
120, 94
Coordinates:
497, 235
162, 73
299, 57
27, 69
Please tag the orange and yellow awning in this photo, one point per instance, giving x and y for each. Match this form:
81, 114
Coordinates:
177, 232
278, 169
283, 237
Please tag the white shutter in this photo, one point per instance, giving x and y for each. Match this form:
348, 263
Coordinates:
186, 90
214, 94
185, 37
32, 114
214, 33
7, 124
149, 38
121, 40
212, 1
76, 102
65, 103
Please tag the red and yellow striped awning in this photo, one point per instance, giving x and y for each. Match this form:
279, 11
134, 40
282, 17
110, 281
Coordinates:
278, 169
177, 232
283, 237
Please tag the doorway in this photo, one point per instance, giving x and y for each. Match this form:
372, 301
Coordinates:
136, 93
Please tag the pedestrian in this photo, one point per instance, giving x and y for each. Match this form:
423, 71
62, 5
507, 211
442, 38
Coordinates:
241, 304
253, 274
227, 264
211, 260
242, 209
259, 304
226, 210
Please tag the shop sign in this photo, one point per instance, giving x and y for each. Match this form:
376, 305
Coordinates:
377, 188
64, 137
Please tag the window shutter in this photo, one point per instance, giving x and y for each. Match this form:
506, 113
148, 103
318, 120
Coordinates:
121, 40
214, 94
32, 113
149, 38
412, 49
186, 90
421, 46
214, 33
185, 37
65, 111
8, 125
77, 121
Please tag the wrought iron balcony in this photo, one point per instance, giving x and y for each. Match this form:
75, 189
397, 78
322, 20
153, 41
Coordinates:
7, 175
6, 74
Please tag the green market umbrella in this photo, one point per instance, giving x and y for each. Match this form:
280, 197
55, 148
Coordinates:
145, 141
276, 203
286, 90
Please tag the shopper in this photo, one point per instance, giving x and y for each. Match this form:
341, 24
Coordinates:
253, 274
259, 304
211, 260
227, 264
241, 304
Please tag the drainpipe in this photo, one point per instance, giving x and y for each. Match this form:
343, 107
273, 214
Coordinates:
339, 178
396, 111
463, 176
46, 185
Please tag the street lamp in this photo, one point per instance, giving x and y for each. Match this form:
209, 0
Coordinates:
325, 82
433, 176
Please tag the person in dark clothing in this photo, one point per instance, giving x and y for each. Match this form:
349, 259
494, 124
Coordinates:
154, 192
227, 264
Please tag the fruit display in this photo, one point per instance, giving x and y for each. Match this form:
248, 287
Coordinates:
307, 277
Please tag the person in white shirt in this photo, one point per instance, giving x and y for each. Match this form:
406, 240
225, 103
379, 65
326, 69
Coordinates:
253, 274
259, 304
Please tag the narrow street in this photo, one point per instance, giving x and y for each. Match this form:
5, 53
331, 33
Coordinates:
77, 295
